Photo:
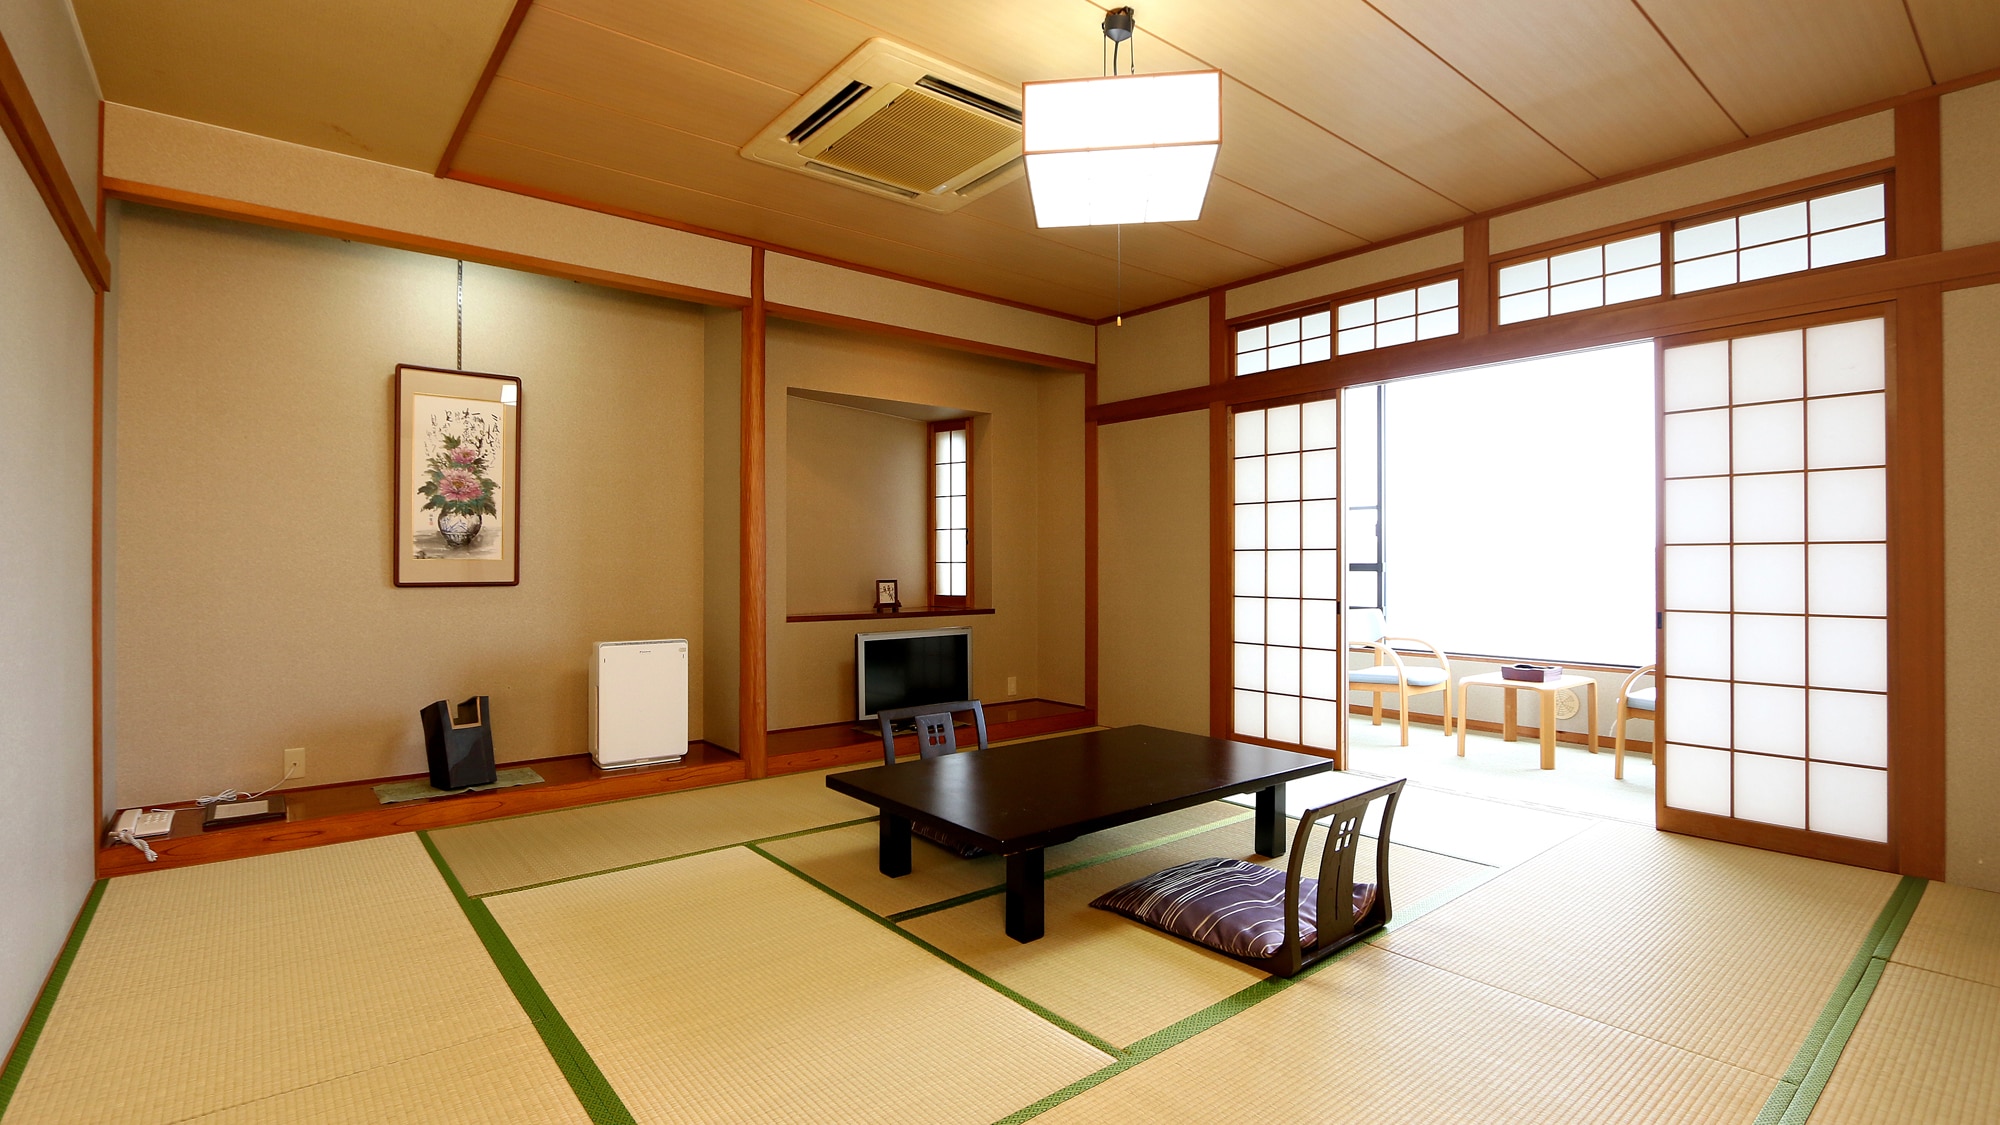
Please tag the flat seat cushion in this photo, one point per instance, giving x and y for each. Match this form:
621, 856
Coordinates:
1641, 700
943, 840
1386, 674
1228, 905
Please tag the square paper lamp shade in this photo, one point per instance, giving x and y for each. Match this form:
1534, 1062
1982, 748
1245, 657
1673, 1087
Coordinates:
1135, 148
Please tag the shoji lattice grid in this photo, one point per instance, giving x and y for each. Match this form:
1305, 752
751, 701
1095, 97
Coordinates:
1844, 226
1607, 274
1288, 666
1423, 313
1306, 338
1776, 579
952, 527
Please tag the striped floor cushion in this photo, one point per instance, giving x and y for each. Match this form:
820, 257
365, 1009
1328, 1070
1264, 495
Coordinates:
1228, 905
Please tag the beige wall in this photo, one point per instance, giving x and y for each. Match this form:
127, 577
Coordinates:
255, 608
858, 507
722, 525
47, 837
1152, 615
1059, 537
1972, 585
811, 664
1163, 350
1970, 142
1400, 259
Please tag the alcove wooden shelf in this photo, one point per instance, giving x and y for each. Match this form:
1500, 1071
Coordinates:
910, 611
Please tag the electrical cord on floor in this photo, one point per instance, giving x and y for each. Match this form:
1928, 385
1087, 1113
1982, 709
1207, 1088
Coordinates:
234, 795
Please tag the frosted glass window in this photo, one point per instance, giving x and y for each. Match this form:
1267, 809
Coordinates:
1769, 649
1840, 226
1844, 358
1770, 579
1847, 801
1422, 313
1771, 790
1698, 578
1767, 439
1697, 376
1771, 720
951, 535
1770, 509
1848, 652
1849, 578
1627, 269
1849, 726
1697, 510
1767, 368
1697, 644
1699, 779
1305, 338
1287, 574
1697, 711
1847, 431
1847, 504
1697, 444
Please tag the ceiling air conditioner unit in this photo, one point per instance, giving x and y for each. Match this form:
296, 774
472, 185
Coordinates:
895, 122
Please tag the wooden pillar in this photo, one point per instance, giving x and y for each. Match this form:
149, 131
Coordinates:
753, 704
1221, 528
1090, 540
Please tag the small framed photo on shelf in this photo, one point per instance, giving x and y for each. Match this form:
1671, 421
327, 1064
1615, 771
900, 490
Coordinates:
885, 596
457, 478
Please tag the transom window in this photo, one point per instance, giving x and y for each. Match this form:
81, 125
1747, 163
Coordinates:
1421, 313
1304, 338
951, 521
1827, 230
1609, 273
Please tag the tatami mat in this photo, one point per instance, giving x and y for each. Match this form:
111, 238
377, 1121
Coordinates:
1725, 951
205, 988
1924, 1051
1956, 931
845, 859
1379, 1039
722, 988
500, 855
1120, 980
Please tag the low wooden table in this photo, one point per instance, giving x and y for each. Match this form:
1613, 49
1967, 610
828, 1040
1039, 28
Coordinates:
1015, 801
1547, 689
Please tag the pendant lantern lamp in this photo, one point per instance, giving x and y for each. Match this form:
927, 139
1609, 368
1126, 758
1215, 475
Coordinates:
1124, 148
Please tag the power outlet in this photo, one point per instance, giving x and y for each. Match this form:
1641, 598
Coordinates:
1011, 686
295, 763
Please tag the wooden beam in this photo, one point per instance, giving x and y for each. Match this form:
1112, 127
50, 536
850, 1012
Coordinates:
1090, 543
753, 703
507, 32
1919, 179
1916, 584
29, 134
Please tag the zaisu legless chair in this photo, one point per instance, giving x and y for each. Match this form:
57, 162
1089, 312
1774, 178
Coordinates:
936, 737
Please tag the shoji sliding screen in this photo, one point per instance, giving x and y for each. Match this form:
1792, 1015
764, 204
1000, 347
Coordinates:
1774, 586
1287, 667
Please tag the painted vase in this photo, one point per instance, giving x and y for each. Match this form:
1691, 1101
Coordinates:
459, 528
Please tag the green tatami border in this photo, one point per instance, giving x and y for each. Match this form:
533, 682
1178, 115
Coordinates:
1798, 1091
670, 858
585, 1078
38, 1017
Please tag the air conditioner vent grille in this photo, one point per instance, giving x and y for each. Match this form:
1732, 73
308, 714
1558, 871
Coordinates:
919, 142
828, 110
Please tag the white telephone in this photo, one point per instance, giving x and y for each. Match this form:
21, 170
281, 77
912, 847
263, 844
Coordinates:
134, 825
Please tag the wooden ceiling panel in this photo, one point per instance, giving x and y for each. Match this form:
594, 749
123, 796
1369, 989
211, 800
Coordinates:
1238, 217
1269, 148
498, 160
1018, 41
1593, 76
384, 80
1340, 63
1959, 37
787, 43
1779, 62
557, 52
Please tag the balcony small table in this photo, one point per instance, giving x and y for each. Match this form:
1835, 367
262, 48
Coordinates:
1547, 689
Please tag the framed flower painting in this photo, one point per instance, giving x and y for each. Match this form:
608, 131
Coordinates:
458, 478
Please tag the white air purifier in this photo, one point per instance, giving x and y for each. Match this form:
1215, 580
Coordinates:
638, 702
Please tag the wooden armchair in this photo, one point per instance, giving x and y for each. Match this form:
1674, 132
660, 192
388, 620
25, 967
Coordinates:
1368, 627
1235, 907
1641, 704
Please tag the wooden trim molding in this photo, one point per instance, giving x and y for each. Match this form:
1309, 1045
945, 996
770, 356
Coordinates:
1221, 522
1090, 541
1919, 213
956, 343
1916, 584
507, 33
905, 613
753, 598
29, 134
216, 206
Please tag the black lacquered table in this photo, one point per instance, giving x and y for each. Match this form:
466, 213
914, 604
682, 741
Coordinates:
1014, 801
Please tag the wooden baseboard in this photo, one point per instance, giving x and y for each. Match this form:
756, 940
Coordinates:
1577, 738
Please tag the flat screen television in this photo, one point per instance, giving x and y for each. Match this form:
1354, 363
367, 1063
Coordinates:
909, 669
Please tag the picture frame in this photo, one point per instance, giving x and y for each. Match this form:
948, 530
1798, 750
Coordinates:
457, 478
885, 595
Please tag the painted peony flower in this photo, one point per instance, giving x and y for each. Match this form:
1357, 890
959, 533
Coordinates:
463, 455
459, 485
